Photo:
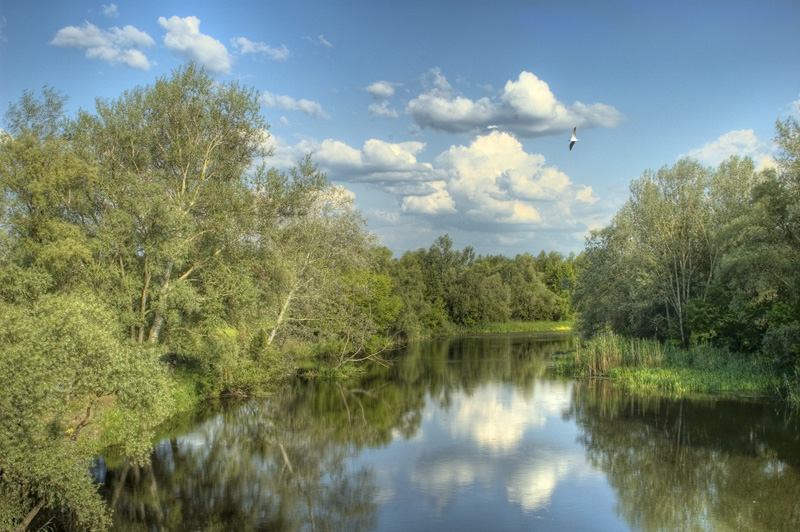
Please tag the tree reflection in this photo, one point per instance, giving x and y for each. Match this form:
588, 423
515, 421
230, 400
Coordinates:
283, 463
705, 465
248, 466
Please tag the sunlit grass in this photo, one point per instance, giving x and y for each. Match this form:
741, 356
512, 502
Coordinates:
676, 380
650, 366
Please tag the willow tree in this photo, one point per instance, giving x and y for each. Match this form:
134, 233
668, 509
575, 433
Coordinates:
310, 239
44, 187
173, 158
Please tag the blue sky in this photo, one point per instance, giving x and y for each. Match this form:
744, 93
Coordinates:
450, 116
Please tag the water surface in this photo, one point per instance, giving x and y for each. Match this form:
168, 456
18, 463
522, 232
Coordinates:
467, 434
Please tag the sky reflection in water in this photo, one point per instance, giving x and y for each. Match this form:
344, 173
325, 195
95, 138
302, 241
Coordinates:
467, 434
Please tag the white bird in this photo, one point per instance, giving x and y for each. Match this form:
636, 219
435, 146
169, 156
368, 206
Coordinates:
573, 140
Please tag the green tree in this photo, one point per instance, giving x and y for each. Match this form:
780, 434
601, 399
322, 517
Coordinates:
61, 358
45, 190
671, 223
174, 200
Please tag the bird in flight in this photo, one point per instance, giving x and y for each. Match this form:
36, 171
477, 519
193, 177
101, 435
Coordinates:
573, 140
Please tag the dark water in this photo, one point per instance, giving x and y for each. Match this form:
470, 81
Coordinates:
467, 434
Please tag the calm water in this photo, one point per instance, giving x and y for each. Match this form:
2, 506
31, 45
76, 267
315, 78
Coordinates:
467, 434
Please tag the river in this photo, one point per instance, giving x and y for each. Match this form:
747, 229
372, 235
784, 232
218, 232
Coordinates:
466, 434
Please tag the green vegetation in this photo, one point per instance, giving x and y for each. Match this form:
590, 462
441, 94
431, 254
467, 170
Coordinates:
519, 327
705, 259
651, 366
150, 258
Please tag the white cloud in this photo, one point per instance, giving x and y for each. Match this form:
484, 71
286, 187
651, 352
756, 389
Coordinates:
495, 181
586, 195
117, 45
490, 183
246, 46
312, 109
437, 202
184, 38
110, 10
381, 90
526, 107
382, 110
392, 166
319, 40
741, 142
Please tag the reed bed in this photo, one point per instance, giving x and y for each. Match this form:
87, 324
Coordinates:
599, 355
648, 365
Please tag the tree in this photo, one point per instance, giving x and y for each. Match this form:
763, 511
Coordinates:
671, 223
312, 245
173, 158
762, 255
657, 253
45, 190
61, 358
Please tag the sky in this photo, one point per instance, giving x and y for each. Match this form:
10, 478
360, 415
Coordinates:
450, 117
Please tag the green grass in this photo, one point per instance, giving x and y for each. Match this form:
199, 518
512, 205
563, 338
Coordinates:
649, 366
677, 380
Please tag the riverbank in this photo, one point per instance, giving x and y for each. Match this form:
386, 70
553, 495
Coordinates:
189, 388
516, 327
648, 366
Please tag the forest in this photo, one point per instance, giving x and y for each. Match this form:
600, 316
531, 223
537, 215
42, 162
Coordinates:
150, 257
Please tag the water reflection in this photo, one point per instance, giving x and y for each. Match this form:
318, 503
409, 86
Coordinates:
466, 434
694, 465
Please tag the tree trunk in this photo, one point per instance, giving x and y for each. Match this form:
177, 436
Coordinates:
143, 302
282, 315
158, 319
23, 526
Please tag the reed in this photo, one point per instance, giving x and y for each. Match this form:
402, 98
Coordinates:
599, 355
648, 365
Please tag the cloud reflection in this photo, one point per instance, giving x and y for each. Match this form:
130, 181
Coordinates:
497, 417
500, 438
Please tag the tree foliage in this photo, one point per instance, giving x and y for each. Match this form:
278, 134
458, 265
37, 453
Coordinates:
704, 255
442, 287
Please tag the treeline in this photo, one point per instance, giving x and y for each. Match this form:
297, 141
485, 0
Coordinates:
703, 255
442, 288
149, 255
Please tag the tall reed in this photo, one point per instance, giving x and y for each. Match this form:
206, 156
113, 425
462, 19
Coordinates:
598, 355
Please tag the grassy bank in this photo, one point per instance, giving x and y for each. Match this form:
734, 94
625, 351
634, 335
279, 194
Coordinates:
649, 366
516, 327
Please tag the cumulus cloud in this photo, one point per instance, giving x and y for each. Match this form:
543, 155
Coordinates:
312, 109
184, 38
437, 202
488, 184
741, 142
382, 110
526, 107
246, 46
117, 45
381, 90
392, 166
586, 195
